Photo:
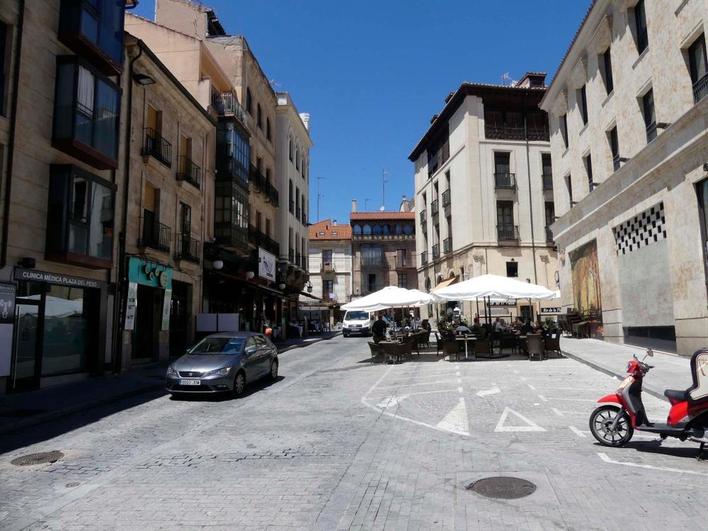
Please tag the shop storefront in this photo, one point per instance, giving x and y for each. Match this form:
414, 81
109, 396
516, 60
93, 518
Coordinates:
59, 329
147, 315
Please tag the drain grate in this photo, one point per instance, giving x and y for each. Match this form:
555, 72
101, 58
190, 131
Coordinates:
39, 458
502, 487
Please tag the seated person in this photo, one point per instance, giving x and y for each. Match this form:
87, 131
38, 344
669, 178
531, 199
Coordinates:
378, 329
425, 325
498, 325
527, 328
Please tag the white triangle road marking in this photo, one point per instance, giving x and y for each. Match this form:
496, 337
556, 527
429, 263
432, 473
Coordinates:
485, 392
456, 420
391, 401
530, 425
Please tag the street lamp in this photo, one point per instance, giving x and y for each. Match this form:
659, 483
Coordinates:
309, 287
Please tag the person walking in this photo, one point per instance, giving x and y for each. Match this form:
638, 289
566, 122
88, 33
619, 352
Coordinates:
378, 329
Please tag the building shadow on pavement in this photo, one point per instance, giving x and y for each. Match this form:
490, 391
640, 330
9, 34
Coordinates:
688, 451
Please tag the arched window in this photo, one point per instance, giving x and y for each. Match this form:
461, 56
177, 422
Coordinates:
408, 229
268, 131
399, 229
297, 158
386, 229
367, 230
249, 101
357, 229
378, 230
259, 117
290, 149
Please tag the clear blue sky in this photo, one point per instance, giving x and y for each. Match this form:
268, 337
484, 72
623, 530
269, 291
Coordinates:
372, 73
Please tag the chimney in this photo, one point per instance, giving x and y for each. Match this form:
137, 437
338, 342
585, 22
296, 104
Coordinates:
353, 205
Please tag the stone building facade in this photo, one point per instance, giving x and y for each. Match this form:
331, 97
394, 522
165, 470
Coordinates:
383, 250
629, 137
483, 192
164, 197
330, 261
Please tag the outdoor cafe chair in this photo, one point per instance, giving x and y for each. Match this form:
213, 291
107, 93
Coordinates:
552, 343
483, 348
376, 351
535, 346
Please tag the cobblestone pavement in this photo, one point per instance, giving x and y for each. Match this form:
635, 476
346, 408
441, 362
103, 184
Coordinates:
340, 444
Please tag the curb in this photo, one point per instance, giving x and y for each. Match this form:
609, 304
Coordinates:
69, 410
306, 344
609, 372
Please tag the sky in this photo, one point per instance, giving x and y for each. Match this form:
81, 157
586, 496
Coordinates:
372, 73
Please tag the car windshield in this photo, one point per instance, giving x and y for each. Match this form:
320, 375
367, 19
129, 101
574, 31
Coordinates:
356, 316
218, 345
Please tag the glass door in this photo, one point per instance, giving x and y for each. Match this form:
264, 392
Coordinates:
26, 367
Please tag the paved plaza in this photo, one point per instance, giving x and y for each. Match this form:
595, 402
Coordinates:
337, 443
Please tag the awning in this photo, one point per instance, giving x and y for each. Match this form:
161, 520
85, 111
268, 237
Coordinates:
445, 283
310, 296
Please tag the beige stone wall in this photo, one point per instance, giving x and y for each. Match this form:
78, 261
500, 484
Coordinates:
342, 264
385, 276
665, 170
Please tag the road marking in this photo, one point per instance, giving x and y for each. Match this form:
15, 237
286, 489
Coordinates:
543, 398
576, 431
415, 384
557, 412
456, 420
391, 401
607, 459
531, 387
530, 425
486, 392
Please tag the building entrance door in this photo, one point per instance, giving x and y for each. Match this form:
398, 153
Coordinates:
148, 320
180, 317
26, 366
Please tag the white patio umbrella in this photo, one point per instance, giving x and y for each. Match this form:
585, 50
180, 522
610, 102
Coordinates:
389, 297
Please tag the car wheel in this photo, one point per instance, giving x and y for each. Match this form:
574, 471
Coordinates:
239, 384
273, 370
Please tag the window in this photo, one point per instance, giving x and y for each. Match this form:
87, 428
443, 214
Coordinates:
290, 149
502, 163
249, 101
698, 66
640, 27
702, 190
649, 116
94, 29
439, 150
372, 255
230, 213
569, 187
506, 230
291, 197
563, 126
4, 64
258, 221
267, 232
512, 269
403, 280
587, 162
259, 117
268, 131
547, 171
605, 61
86, 113
583, 103
79, 217
234, 157
371, 282
297, 158
614, 147
328, 289
186, 217
550, 214
326, 257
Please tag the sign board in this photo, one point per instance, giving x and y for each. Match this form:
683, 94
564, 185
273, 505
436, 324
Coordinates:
510, 302
266, 264
149, 273
166, 304
551, 310
32, 275
131, 306
7, 322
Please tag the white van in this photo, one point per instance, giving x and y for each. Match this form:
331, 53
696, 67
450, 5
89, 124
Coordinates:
357, 322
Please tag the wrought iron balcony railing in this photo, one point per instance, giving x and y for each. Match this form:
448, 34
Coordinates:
260, 239
446, 198
447, 245
187, 248
700, 89
155, 234
549, 234
547, 181
436, 251
424, 258
651, 132
507, 233
434, 208
189, 172
157, 147
423, 217
226, 104
505, 181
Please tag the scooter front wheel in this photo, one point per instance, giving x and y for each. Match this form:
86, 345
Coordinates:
601, 426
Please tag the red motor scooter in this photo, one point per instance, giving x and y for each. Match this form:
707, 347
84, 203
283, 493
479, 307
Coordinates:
613, 423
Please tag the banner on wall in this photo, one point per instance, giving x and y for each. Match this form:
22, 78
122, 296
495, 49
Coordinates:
131, 306
266, 264
166, 309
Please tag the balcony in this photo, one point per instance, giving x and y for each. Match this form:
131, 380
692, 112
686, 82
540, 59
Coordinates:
257, 178
616, 162
700, 89
402, 262
434, 208
510, 132
231, 215
549, 235
187, 248
157, 147
226, 105
229, 168
155, 234
447, 245
507, 233
374, 261
547, 181
436, 251
424, 258
505, 181
189, 172
327, 267
651, 132
423, 218
259, 239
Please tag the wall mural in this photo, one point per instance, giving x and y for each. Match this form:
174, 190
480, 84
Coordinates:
586, 278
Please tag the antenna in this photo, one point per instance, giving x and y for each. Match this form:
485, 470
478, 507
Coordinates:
366, 200
319, 195
384, 173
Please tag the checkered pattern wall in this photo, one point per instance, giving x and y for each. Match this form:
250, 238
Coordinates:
641, 230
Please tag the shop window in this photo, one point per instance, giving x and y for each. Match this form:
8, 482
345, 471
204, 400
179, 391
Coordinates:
86, 112
94, 29
79, 217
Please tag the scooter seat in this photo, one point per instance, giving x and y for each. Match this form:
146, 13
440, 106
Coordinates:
676, 396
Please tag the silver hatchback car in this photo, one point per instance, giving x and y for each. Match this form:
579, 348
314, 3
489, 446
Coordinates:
223, 363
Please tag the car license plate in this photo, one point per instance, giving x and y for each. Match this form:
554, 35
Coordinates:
190, 382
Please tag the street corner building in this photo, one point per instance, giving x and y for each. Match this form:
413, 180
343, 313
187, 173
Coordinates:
628, 117
484, 192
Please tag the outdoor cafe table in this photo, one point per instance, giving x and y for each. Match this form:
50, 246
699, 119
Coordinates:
466, 339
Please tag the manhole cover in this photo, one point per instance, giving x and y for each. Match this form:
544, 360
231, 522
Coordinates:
39, 458
505, 488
